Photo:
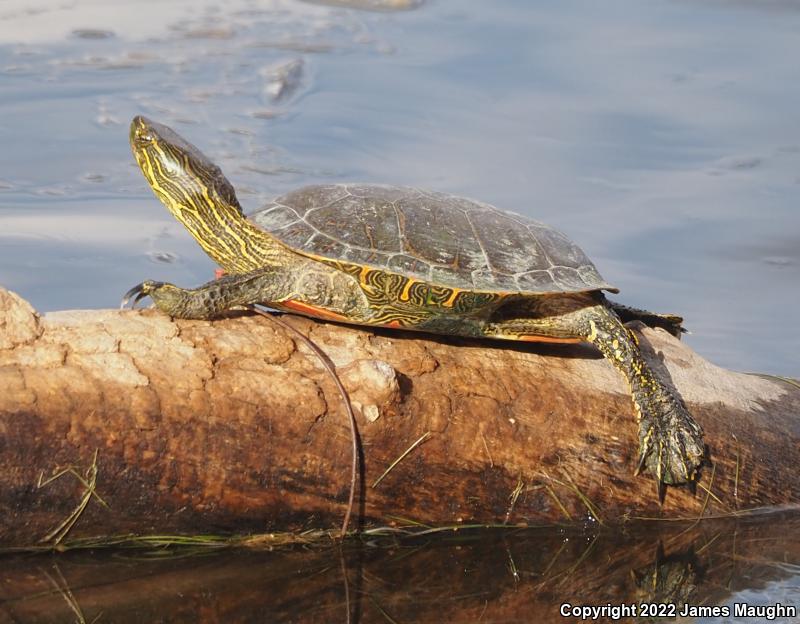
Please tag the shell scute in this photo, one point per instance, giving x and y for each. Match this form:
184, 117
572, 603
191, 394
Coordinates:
441, 239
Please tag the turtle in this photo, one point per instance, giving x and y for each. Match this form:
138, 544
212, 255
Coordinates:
406, 258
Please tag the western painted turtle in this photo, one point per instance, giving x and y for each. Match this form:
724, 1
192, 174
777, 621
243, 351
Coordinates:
406, 258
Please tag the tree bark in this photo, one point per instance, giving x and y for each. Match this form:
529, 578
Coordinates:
233, 426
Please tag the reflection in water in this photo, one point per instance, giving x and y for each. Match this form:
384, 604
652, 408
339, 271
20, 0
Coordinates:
458, 577
669, 579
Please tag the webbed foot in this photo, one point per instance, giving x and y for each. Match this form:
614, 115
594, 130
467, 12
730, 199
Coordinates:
671, 446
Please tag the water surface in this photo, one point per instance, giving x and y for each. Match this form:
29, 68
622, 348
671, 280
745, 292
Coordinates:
503, 576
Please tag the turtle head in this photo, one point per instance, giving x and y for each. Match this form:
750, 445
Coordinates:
192, 187
182, 177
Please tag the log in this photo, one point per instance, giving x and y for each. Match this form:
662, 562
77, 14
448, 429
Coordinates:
142, 424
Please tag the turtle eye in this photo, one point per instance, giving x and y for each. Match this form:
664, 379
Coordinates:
141, 132
143, 136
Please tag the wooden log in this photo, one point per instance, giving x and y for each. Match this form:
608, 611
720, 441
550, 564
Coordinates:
232, 426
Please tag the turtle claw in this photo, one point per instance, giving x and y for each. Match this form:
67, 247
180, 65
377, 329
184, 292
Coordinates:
671, 446
138, 292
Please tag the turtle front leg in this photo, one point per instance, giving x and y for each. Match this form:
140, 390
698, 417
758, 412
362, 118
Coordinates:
205, 302
314, 288
209, 300
670, 442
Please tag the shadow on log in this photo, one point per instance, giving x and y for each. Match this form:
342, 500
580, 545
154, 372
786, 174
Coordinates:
198, 427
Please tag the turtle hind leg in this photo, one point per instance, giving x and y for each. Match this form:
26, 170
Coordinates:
671, 444
669, 322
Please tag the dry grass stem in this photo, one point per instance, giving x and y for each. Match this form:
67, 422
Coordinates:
552, 494
513, 499
416, 443
89, 482
585, 500
486, 448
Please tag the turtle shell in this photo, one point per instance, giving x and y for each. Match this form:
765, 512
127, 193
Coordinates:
438, 238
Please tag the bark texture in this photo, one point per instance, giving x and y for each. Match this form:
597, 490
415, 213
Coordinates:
232, 426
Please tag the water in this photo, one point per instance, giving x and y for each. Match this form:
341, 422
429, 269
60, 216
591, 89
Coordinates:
498, 577
662, 136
